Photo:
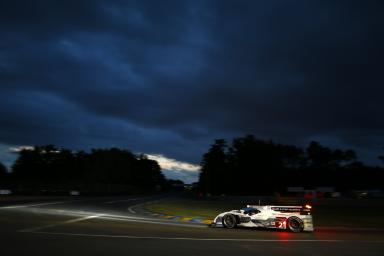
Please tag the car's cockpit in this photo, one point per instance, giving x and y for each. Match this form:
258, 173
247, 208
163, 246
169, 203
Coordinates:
250, 211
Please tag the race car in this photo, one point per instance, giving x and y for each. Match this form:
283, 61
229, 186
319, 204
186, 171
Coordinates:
293, 218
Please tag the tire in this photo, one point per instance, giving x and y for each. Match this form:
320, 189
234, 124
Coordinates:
229, 221
295, 224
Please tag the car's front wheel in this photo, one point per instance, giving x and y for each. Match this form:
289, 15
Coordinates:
229, 221
295, 224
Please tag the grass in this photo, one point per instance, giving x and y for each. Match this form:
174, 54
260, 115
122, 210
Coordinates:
191, 208
347, 215
328, 212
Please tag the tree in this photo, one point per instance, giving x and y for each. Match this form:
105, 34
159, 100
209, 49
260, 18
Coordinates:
381, 157
319, 157
253, 166
3, 169
148, 174
3, 174
252, 162
248, 166
214, 171
44, 168
119, 171
102, 171
293, 157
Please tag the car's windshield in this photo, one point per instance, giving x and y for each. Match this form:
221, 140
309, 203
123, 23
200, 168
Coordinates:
249, 210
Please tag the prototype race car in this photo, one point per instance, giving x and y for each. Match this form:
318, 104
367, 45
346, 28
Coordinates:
293, 218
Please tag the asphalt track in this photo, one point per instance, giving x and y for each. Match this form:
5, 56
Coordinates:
108, 226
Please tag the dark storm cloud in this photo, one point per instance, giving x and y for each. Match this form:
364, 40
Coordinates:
170, 76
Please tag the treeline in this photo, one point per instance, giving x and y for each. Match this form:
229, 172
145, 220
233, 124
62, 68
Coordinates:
49, 170
253, 166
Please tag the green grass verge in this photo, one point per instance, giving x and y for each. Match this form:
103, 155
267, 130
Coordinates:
348, 213
191, 208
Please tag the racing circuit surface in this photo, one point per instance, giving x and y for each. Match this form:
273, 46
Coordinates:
110, 226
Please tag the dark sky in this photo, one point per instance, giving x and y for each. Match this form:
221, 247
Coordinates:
168, 77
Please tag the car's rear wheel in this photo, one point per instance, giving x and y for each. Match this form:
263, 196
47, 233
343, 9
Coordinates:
229, 221
295, 224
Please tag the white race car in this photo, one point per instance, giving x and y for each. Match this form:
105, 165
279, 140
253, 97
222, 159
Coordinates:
293, 218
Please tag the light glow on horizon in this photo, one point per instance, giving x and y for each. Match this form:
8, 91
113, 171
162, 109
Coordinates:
18, 149
173, 164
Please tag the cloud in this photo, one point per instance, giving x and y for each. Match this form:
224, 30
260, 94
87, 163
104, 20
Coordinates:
174, 169
18, 149
173, 164
169, 77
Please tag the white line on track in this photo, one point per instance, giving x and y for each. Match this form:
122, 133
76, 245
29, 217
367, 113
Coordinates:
60, 223
89, 215
131, 210
191, 238
123, 200
151, 221
32, 205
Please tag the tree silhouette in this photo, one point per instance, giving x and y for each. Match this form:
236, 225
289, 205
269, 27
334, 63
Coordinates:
321, 157
148, 173
381, 157
3, 174
256, 160
3, 169
254, 166
247, 166
46, 169
214, 173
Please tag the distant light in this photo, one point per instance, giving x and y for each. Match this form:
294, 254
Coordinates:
5, 192
308, 206
74, 193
